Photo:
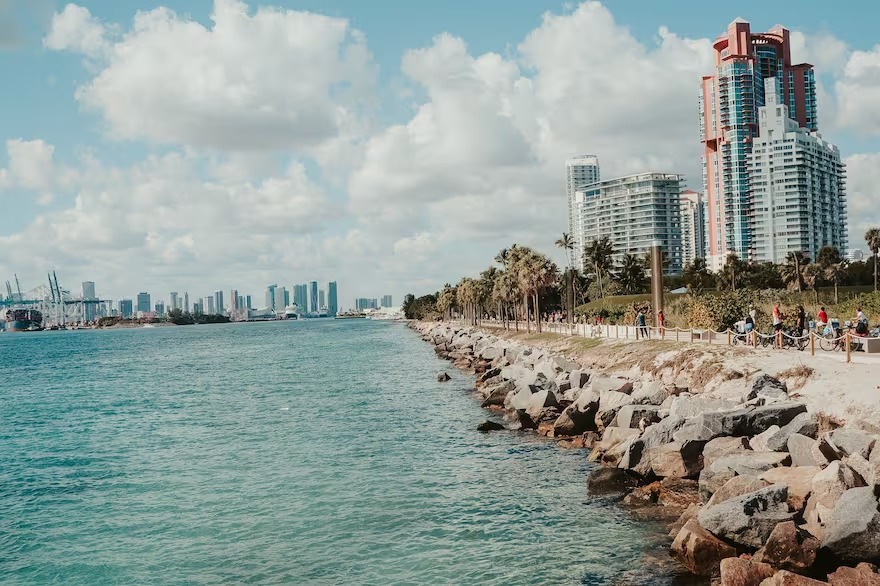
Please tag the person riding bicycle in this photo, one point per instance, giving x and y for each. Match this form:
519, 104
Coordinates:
749, 322
822, 317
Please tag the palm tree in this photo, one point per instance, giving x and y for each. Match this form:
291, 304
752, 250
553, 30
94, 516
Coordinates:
836, 273
872, 238
505, 292
631, 274
518, 263
446, 301
598, 254
503, 256
696, 275
567, 244
792, 272
732, 270
812, 273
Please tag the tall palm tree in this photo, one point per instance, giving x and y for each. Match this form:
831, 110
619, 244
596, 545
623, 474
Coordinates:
835, 273
872, 238
518, 263
812, 273
731, 272
567, 244
503, 256
631, 274
792, 272
598, 254
505, 292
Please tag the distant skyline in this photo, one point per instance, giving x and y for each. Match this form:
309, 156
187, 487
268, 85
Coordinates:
198, 145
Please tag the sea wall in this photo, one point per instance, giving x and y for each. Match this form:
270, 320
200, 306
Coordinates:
760, 487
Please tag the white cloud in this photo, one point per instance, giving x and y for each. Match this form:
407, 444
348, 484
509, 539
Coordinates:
31, 166
863, 177
274, 79
858, 92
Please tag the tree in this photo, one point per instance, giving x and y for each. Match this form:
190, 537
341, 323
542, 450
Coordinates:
598, 255
836, 273
567, 244
792, 272
631, 274
696, 276
872, 238
812, 274
503, 257
734, 269
828, 255
505, 292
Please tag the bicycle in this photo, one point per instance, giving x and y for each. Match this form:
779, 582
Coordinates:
793, 338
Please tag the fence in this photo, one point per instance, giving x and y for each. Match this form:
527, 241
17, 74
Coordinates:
846, 342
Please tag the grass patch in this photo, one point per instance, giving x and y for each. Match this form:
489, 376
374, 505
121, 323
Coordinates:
796, 376
585, 344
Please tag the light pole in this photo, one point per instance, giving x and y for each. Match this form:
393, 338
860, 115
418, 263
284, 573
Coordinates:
657, 279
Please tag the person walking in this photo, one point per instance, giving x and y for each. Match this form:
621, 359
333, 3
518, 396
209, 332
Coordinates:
642, 324
661, 320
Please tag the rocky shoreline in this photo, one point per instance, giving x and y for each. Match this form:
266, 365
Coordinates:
759, 490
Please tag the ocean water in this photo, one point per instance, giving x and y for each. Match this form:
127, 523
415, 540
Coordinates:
312, 452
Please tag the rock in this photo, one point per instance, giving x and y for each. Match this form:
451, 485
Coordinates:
710, 481
799, 480
578, 378
748, 519
759, 442
700, 551
618, 452
672, 459
519, 419
708, 426
600, 384
828, 448
650, 393
762, 418
744, 572
829, 485
852, 441
489, 426
520, 399
631, 415
442, 377
789, 548
670, 495
688, 514
768, 387
607, 481
685, 406
587, 401
786, 578
496, 396
572, 421
863, 574
753, 463
722, 446
613, 436
609, 403
868, 470
539, 401
804, 424
661, 433
805, 451
736, 486
630, 452
852, 529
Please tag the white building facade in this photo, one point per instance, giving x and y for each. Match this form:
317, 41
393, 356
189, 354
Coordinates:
579, 171
693, 227
798, 185
634, 211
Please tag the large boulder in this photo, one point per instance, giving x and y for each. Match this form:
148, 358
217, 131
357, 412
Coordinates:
442, 377
748, 519
539, 401
759, 442
804, 424
798, 479
863, 574
735, 487
805, 451
609, 403
573, 421
786, 578
610, 481
789, 548
712, 424
633, 415
753, 463
670, 495
700, 551
490, 426
650, 393
613, 436
600, 384
762, 418
868, 470
578, 379
497, 394
850, 441
519, 399
829, 484
673, 459
744, 572
767, 387
723, 446
852, 530
685, 406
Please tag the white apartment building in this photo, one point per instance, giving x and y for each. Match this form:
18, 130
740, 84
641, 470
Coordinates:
693, 227
579, 170
798, 185
633, 212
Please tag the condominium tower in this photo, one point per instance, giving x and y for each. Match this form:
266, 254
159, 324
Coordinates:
580, 170
634, 212
693, 227
313, 297
729, 102
332, 299
797, 184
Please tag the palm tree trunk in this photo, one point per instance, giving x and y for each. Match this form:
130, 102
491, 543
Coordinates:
835, 293
526, 308
875, 270
538, 313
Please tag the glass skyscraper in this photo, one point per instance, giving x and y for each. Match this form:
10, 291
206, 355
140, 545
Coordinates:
332, 299
313, 299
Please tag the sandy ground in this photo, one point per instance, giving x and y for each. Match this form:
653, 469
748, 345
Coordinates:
825, 382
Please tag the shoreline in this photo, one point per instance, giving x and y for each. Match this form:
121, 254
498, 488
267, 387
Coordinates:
763, 482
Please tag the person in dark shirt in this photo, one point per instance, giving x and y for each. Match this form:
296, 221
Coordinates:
801, 320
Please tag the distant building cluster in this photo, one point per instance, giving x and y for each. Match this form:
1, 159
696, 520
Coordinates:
365, 304
771, 184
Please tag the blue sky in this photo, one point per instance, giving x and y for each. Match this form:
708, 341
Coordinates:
437, 139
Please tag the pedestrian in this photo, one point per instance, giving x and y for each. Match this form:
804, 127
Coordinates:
642, 329
801, 320
777, 318
661, 321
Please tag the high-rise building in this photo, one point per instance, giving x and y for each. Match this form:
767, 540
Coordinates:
286, 297
160, 308
247, 302
218, 302
798, 186
693, 227
186, 302
301, 297
332, 299
270, 296
88, 290
197, 308
386, 301
143, 303
634, 212
321, 304
363, 303
173, 300
233, 300
88, 294
208, 305
579, 171
729, 102
280, 294
126, 308
313, 299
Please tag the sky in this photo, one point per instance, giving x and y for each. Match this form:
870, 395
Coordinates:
391, 146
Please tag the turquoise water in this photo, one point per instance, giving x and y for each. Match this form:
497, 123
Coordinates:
319, 452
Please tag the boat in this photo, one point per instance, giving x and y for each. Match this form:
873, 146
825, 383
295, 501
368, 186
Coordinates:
23, 320
350, 315
291, 312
